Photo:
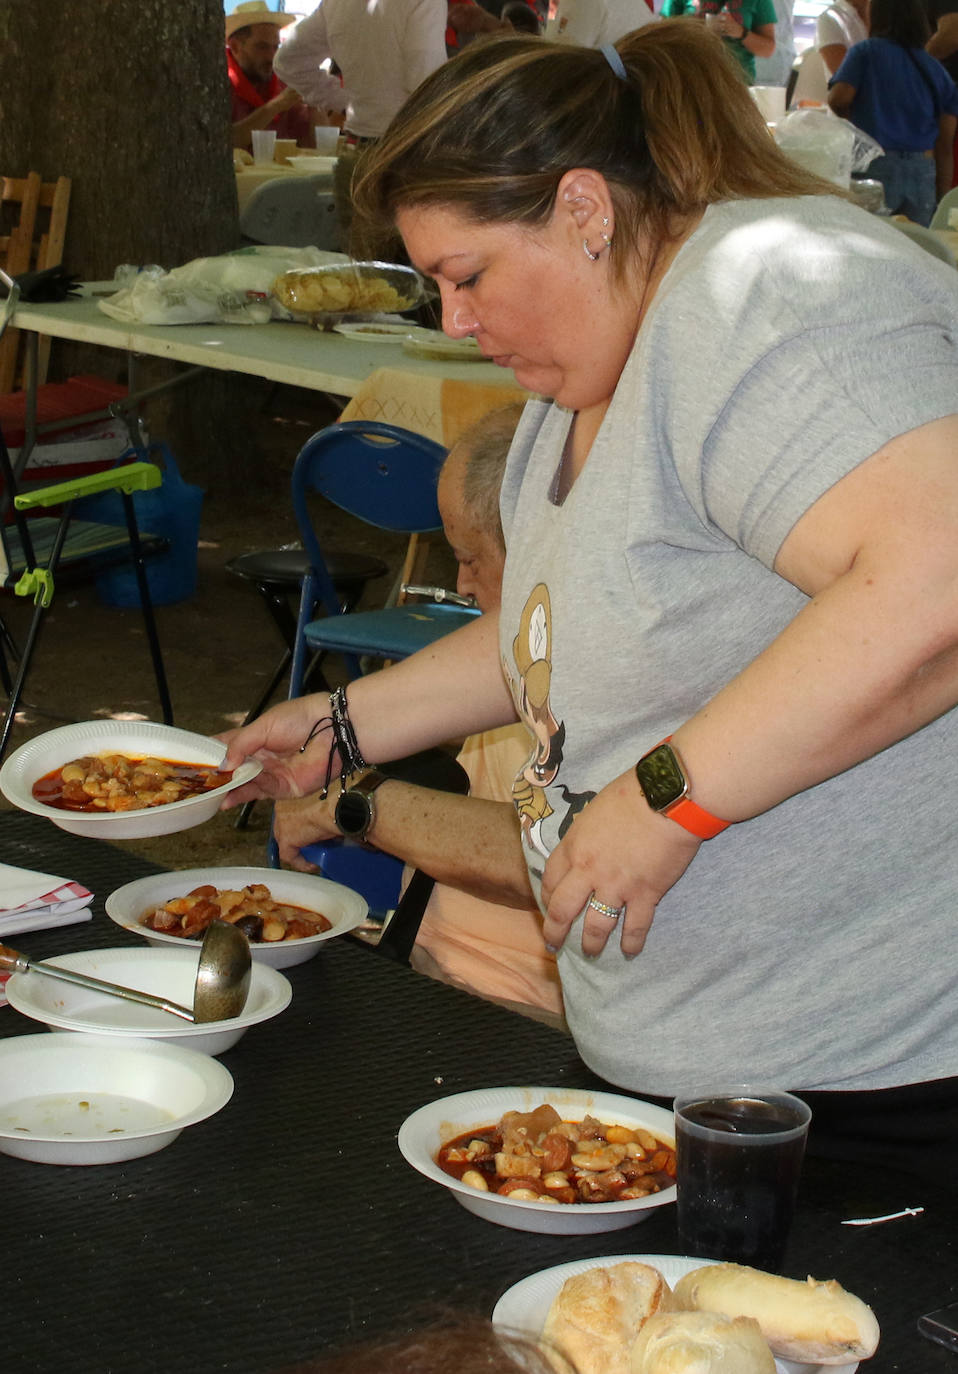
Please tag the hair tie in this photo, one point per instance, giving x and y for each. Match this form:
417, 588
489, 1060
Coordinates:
614, 60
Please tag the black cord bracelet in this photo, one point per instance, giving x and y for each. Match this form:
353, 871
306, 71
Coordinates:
345, 743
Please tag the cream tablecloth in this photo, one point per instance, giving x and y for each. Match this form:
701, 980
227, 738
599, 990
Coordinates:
250, 178
441, 408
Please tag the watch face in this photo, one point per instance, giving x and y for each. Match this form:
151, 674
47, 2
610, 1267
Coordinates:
661, 778
353, 813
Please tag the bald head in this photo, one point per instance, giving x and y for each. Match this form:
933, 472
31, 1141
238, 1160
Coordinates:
469, 503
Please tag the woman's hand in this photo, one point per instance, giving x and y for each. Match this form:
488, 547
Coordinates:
276, 739
623, 853
729, 27
303, 821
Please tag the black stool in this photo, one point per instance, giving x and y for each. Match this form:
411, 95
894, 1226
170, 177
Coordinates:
277, 574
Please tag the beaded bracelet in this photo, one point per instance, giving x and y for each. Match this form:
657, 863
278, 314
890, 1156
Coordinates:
345, 743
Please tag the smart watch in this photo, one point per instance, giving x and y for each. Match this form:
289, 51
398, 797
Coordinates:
355, 809
665, 786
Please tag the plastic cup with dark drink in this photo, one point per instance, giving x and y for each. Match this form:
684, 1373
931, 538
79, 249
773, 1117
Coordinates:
739, 1156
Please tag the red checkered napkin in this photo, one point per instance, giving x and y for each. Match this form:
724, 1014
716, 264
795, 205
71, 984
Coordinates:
39, 901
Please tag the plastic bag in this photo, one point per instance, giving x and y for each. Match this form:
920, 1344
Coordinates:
231, 289
825, 144
171, 510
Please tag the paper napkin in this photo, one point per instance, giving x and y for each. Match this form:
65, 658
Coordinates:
39, 901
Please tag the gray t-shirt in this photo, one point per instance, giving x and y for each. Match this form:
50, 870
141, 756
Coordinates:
812, 946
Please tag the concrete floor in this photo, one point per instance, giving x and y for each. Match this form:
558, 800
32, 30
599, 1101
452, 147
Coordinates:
220, 646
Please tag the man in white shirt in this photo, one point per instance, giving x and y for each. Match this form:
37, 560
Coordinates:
591, 23
481, 933
384, 49
837, 29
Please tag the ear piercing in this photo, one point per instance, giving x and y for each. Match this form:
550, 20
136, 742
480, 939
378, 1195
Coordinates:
606, 239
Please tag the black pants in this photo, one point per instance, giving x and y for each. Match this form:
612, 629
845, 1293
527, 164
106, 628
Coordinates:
913, 1129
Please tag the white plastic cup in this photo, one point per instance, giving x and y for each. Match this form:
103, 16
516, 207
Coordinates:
771, 101
326, 137
264, 145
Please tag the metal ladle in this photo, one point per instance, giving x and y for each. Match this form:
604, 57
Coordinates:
219, 993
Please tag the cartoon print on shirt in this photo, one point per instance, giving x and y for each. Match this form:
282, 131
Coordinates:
532, 652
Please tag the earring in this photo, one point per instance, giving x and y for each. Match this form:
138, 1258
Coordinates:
606, 239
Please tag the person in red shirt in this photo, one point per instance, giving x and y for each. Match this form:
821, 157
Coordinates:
259, 100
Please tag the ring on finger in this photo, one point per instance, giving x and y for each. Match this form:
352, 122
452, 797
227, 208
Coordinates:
603, 908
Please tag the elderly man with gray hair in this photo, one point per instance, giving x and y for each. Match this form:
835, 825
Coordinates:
482, 930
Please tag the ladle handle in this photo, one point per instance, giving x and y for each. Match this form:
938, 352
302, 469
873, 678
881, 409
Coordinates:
17, 963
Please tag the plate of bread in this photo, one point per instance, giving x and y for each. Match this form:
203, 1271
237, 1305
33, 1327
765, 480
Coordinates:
671, 1314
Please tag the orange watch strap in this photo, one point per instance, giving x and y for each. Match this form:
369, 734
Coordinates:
686, 813
695, 819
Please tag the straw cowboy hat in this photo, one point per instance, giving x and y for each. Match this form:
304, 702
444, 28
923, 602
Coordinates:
256, 12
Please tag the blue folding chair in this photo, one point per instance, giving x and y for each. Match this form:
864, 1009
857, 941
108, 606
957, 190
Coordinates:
395, 913
386, 477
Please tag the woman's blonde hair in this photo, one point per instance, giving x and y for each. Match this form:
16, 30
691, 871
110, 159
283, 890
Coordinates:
493, 131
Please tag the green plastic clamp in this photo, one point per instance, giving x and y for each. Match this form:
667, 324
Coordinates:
38, 583
133, 477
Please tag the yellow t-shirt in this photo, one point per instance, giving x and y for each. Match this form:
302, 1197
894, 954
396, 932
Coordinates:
493, 951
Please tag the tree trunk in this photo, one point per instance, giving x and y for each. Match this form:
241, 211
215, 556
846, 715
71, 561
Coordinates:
129, 98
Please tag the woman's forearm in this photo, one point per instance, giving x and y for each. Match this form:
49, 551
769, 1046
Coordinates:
840, 97
452, 689
873, 656
759, 44
944, 41
825, 695
446, 692
945, 154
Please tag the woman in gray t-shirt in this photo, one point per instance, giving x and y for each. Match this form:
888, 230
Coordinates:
730, 609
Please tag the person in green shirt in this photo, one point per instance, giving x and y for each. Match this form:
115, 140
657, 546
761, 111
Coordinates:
746, 27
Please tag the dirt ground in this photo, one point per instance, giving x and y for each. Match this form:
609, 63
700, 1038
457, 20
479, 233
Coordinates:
220, 647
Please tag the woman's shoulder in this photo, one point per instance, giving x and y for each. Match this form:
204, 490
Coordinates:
795, 263
780, 228
874, 49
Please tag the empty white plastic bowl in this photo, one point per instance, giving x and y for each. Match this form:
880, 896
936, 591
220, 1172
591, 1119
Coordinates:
89, 1099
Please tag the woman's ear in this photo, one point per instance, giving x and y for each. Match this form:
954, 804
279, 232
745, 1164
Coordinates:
583, 195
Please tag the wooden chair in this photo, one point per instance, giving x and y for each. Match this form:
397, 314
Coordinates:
35, 241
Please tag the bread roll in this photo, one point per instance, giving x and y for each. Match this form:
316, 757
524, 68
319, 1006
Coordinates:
812, 1322
701, 1343
596, 1315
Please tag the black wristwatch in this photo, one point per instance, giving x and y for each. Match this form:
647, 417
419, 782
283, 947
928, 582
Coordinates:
355, 810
